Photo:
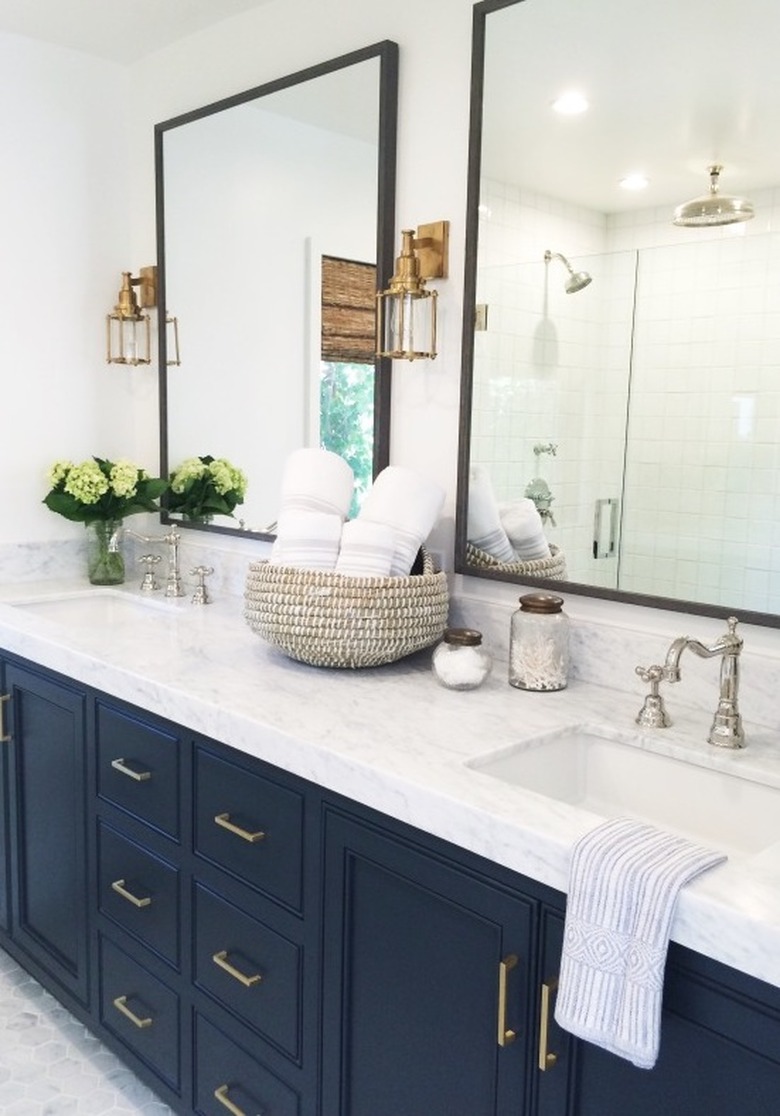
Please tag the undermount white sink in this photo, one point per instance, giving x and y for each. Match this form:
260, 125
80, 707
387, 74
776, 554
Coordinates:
92, 607
621, 778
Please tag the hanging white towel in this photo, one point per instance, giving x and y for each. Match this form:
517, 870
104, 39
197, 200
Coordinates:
316, 480
625, 879
484, 529
410, 504
306, 540
367, 549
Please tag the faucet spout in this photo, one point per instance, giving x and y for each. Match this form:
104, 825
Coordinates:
726, 730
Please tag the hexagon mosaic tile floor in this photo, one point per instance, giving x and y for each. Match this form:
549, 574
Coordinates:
50, 1065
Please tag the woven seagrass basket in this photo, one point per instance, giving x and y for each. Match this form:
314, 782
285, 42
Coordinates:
553, 567
328, 619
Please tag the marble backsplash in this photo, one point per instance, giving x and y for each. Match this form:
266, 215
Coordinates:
608, 640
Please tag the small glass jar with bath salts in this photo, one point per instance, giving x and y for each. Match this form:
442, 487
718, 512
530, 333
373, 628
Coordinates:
539, 644
460, 662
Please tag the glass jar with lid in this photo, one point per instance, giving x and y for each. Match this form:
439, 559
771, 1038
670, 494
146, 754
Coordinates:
460, 662
539, 643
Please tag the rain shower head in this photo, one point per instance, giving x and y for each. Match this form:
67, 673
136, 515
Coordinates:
577, 279
713, 208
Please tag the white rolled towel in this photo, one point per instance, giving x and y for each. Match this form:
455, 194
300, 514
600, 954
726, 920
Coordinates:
525, 530
367, 549
307, 540
410, 504
484, 528
316, 480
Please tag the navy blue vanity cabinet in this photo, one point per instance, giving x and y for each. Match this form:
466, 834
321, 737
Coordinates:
5, 864
719, 1054
47, 821
255, 935
139, 892
428, 971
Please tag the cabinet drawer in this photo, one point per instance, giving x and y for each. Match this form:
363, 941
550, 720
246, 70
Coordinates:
250, 826
229, 1080
141, 1011
138, 767
248, 968
139, 891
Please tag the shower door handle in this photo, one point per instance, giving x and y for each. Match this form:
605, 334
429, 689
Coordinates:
605, 522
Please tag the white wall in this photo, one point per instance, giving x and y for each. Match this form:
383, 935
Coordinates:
63, 200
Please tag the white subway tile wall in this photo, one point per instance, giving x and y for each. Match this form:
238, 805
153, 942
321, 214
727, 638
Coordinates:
701, 510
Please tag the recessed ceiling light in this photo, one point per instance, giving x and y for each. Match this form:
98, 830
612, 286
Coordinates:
636, 181
570, 104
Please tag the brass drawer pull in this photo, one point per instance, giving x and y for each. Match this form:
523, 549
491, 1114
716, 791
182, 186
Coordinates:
4, 736
120, 1003
120, 765
222, 1096
119, 887
546, 1057
224, 821
247, 981
505, 1035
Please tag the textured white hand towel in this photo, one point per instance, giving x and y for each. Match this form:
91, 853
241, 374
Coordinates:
623, 888
306, 540
316, 480
410, 504
484, 529
524, 529
366, 549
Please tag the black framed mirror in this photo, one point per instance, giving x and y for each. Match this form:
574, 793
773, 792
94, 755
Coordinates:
254, 194
639, 412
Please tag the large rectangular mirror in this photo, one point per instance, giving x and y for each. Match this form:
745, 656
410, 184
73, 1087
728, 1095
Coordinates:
275, 211
622, 371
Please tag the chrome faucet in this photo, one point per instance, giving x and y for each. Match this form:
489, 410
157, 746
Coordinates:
726, 730
172, 538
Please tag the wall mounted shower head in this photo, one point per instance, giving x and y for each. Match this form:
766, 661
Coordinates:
577, 279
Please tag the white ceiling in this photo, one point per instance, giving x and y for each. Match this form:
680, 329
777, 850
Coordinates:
115, 29
673, 85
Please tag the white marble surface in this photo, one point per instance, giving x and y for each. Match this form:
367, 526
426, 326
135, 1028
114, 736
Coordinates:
395, 740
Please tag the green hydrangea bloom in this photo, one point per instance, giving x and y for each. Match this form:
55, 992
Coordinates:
192, 468
124, 478
86, 482
58, 472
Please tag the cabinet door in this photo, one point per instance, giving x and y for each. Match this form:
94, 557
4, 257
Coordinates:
427, 966
719, 1054
46, 805
5, 883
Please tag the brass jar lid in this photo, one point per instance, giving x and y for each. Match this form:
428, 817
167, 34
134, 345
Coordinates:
541, 603
463, 637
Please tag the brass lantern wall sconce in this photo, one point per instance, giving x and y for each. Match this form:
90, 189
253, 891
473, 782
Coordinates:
406, 311
128, 328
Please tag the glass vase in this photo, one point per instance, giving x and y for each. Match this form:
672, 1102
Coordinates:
105, 561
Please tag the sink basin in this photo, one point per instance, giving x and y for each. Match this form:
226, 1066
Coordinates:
92, 607
619, 778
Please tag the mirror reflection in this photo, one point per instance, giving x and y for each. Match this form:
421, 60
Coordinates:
621, 380
275, 225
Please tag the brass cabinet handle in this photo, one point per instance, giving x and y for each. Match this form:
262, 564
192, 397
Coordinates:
222, 1096
119, 887
505, 1035
247, 981
224, 821
120, 765
4, 736
120, 1003
546, 1057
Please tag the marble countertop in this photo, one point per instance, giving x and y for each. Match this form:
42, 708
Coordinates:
393, 739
